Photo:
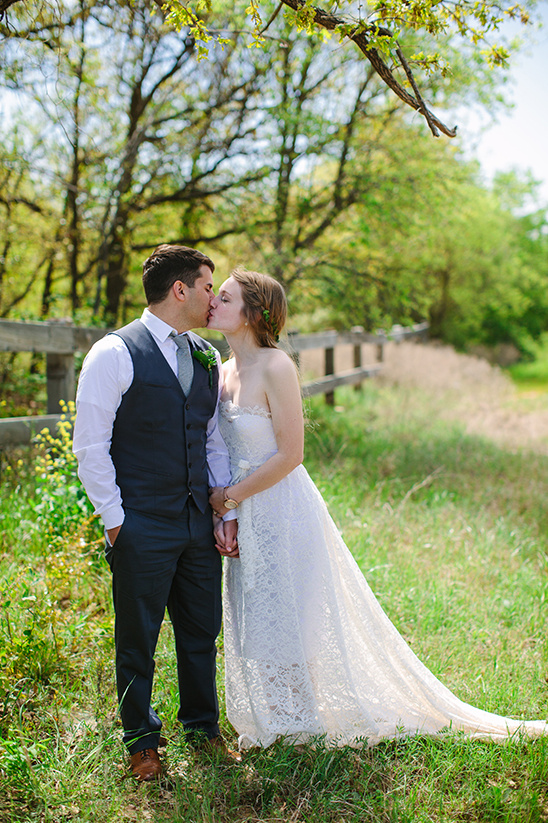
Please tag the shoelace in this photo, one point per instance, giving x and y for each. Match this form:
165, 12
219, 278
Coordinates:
145, 754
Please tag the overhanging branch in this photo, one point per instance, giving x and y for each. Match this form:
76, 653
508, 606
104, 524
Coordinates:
331, 22
4, 6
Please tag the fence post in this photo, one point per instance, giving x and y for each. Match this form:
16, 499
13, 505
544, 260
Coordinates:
293, 353
357, 355
380, 346
60, 380
330, 369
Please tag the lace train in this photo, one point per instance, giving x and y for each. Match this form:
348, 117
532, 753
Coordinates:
308, 649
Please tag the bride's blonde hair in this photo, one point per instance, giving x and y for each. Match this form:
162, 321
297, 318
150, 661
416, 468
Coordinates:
265, 305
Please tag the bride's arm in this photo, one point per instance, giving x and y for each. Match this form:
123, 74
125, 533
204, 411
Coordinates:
284, 398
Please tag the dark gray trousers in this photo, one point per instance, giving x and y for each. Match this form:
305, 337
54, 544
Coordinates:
156, 563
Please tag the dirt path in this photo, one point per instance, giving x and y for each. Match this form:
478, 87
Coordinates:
475, 391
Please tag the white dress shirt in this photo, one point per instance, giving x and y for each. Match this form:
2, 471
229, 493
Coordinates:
107, 373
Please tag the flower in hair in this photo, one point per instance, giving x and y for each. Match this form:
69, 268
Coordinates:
273, 326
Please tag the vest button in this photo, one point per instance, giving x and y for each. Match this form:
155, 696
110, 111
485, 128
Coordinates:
187, 406
188, 425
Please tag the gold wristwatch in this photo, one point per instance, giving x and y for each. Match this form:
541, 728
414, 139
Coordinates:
229, 502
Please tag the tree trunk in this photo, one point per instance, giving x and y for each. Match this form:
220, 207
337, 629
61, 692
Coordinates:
115, 279
439, 310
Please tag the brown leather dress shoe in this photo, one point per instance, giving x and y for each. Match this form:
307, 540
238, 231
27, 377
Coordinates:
145, 765
217, 748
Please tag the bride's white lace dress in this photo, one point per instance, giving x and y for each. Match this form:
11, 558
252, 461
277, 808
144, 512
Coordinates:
308, 649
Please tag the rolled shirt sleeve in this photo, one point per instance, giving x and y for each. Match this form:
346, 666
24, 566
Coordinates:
218, 462
106, 375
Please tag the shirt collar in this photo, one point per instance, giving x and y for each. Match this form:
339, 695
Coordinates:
159, 328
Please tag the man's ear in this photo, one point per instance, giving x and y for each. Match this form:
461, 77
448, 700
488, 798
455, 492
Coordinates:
179, 290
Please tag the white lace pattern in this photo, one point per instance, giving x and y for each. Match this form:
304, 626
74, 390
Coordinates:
308, 649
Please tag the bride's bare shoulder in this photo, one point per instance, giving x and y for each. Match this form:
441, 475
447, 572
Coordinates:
277, 358
278, 365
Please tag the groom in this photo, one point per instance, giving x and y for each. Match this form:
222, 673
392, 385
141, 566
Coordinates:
146, 439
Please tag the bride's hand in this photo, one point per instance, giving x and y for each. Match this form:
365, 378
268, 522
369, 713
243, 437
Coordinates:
231, 538
226, 541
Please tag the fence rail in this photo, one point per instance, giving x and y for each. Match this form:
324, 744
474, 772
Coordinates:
60, 342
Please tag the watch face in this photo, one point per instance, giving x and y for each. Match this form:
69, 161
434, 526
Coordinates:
230, 504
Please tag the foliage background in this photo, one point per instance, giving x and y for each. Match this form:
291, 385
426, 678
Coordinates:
293, 158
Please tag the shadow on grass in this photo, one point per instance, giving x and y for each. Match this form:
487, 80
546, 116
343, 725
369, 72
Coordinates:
418, 779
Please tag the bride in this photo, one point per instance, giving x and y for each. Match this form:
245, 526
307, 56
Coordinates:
308, 649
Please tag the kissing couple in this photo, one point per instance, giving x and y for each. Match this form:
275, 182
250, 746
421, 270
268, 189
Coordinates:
187, 461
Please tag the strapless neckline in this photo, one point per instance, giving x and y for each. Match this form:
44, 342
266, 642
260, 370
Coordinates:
256, 409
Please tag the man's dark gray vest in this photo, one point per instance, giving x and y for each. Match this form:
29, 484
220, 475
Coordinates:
159, 436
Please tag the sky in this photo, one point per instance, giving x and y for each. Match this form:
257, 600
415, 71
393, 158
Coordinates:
519, 137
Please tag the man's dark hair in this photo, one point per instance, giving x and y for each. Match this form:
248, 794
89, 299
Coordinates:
166, 265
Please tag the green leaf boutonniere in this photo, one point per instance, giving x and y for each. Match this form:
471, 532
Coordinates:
208, 359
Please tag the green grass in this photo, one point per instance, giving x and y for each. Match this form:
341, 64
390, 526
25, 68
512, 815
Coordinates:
451, 532
532, 376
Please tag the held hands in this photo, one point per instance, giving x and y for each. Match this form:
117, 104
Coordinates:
225, 533
226, 540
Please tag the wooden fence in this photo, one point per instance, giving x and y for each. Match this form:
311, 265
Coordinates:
60, 342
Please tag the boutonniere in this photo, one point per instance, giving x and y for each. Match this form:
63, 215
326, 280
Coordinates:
208, 359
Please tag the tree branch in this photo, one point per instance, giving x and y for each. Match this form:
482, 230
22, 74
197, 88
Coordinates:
273, 16
194, 240
359, 37
21, 200
4, 6
423, 109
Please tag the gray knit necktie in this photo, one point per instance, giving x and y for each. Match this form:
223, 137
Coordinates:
185, 367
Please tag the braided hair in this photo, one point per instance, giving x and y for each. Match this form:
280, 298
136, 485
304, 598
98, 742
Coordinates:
265, 305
